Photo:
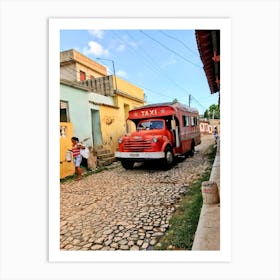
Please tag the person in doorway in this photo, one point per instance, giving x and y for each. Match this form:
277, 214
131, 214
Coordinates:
76, 147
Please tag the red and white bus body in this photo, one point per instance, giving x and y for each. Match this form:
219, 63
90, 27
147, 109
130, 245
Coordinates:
163, 131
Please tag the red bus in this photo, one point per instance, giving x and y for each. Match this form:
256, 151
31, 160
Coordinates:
163, 131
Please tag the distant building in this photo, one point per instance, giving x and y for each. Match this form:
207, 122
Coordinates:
207, 125
204, 126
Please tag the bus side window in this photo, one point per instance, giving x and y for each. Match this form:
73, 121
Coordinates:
185, 121
168, 124
194, 121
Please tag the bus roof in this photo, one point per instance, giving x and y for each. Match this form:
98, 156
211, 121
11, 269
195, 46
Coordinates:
167, 108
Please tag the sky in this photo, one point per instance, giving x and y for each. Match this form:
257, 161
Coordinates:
164, 63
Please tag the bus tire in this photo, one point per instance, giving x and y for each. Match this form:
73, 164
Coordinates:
168, 158
191, 153
127, 164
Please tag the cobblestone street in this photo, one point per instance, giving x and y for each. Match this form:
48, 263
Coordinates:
120, 209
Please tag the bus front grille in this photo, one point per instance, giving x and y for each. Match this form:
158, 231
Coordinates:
137, 145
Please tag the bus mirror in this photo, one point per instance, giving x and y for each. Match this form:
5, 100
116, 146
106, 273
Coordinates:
173, 124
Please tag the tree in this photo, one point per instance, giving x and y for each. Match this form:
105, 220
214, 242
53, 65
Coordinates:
206, 114
213, 112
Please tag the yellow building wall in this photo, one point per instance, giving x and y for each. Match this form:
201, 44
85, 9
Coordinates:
113, 121
129, 88
89, 63
66, 133
111, 126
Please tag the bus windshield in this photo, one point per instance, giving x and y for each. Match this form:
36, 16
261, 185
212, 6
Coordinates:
149, 125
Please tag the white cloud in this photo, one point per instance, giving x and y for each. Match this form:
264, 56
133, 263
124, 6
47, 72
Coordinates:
120, 48
121, 73
97, 33
96, 49
123, 44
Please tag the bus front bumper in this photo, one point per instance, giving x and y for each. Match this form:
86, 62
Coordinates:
139, 155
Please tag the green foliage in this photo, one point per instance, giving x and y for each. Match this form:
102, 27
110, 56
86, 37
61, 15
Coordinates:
206, 114
183, 223
212, 112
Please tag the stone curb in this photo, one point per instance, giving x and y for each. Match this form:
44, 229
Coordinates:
207, 236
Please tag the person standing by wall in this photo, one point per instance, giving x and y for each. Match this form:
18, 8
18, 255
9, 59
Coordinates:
76, 147
216, 134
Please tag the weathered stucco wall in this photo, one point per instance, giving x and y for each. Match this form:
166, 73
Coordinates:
112, 111
129, 88
113, 121
66, 133
74, 60
68, 72
78, 111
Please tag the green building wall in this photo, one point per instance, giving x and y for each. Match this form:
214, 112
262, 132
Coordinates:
79, 113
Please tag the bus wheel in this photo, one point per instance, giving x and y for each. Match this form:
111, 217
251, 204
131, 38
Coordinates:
191, 153
168, 159
127, 164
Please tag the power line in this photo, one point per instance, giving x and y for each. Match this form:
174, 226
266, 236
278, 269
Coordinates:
144, 61
178, 40
194, 99
151, 90
152, 66
71, 71
137, 84
196, 65
159, 70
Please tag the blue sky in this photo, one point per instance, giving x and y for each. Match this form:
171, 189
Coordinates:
164, 63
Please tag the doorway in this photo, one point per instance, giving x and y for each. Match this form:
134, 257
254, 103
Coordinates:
96, 127
126, 111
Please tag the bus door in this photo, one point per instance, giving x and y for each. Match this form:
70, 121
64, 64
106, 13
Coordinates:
175, 129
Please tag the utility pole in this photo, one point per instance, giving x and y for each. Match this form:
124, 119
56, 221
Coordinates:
98, 58
189, 100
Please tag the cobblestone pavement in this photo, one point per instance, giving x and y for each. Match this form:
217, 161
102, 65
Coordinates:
120, 209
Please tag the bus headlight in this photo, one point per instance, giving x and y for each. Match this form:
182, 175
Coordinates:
120, 140
154, 139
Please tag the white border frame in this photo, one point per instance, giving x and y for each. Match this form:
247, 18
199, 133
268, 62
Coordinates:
55, 254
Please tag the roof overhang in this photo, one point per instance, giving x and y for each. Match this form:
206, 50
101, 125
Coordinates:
208, 42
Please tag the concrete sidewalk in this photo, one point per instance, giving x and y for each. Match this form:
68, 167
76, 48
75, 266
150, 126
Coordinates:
207, 236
